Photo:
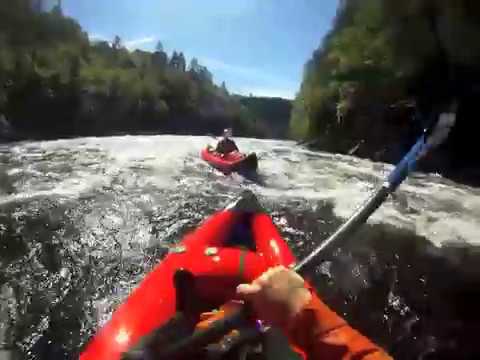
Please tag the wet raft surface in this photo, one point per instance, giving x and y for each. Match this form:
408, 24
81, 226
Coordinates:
82, 221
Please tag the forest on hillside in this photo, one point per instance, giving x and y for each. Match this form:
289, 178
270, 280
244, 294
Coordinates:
385, 68
56, 83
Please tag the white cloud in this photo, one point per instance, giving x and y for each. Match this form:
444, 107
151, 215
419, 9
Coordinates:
137, 43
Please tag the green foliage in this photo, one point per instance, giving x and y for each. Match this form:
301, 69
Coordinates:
378, 54
63, 85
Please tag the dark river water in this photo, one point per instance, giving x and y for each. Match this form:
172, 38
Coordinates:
82, 221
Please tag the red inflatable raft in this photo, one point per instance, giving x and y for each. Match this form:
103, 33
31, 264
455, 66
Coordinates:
232, 162
233, 246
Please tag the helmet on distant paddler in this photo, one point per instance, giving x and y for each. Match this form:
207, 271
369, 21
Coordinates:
228, 133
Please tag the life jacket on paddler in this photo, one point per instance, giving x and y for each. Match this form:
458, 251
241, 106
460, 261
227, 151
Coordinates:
226, 145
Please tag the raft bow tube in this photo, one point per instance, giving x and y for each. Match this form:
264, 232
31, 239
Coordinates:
233, 246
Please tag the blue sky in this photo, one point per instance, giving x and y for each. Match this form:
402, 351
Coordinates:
255, 46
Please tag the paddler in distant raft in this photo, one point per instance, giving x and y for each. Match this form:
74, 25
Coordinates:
226, 157
226, 145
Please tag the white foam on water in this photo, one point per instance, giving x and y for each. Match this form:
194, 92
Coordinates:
440, 210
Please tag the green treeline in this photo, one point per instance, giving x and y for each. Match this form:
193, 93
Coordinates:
382, 60
56, 83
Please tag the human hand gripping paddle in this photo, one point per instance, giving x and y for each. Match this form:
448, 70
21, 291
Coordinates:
431, 138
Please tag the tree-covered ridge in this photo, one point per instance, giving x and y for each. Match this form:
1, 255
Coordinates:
58, 83
382, 59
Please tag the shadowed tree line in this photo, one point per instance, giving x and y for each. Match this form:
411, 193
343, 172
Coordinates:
383, 61
56, 83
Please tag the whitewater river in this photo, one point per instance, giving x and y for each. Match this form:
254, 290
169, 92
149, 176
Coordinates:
82, 221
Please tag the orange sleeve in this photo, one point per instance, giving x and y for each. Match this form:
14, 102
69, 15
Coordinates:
322, 334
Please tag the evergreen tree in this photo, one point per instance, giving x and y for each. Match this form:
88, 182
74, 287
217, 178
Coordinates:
159, 46
182, 64
224, 88
117, 43
194, 65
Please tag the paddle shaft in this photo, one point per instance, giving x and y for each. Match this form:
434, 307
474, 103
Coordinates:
346, 229
396, 177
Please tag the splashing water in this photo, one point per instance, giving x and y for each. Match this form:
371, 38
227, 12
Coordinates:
82, 221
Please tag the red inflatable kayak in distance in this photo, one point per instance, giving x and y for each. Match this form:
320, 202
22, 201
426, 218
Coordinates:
233, 246
232, 162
